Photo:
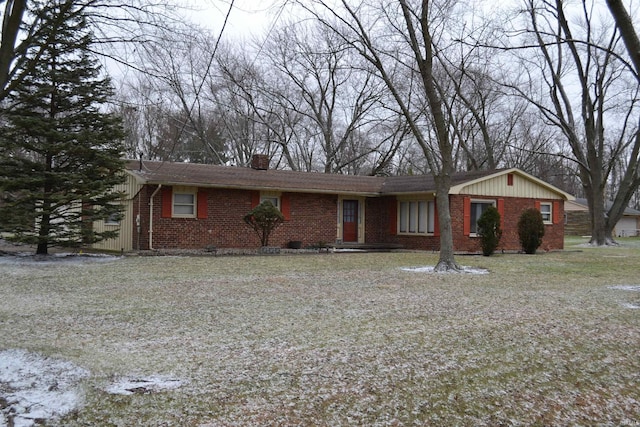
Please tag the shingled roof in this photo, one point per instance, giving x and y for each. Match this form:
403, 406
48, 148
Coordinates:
200, 175
192, 174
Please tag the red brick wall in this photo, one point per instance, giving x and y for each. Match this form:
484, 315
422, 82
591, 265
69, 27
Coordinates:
379, 226
513, 208
312, 220
380, 222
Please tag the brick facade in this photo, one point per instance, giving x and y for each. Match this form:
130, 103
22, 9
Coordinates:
380, 225
312, 219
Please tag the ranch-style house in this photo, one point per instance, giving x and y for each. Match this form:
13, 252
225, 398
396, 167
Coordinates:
195, 206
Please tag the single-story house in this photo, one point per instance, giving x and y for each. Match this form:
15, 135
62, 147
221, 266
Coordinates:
194, 206
578, 220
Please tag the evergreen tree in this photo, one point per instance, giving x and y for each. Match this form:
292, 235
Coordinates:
60, 153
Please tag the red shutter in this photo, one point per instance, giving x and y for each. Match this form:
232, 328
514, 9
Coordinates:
285, 206
202, 204
167, 202
436, 220
501, 212
556, 212
510, 179
393, 217
538, 203
255, 199
466, 216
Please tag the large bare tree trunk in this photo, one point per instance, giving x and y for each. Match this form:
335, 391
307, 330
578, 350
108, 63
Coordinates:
627, 32
11, 21
400, 67
577, 57
446, 261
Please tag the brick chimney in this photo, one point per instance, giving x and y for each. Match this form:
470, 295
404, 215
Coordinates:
260, 162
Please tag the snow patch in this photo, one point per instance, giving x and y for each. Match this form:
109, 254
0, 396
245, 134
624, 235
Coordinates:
35, 388
430, 269
631, 288
152, 384
634, 288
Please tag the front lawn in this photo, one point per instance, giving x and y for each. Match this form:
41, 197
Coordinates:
337, 339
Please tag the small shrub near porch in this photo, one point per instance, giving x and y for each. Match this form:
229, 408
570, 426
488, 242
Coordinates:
264, 219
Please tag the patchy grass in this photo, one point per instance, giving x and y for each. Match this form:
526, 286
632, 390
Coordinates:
340, 339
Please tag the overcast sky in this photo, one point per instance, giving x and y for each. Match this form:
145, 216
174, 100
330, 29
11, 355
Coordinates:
247, 17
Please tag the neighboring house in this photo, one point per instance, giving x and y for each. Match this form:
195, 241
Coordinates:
578, 220
186, 205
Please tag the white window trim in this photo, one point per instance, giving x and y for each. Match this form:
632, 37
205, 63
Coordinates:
550, 220
190, 191
416, 233
491, 202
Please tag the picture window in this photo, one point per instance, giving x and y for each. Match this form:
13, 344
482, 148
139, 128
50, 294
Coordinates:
416, 217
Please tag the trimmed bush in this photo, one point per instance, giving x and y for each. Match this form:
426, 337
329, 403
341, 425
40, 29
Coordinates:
530, 230
264, 218
489, 230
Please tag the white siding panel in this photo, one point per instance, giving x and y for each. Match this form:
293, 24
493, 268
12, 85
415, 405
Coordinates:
124, 241
521, 187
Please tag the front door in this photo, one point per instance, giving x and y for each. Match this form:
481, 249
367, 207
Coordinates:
349, 220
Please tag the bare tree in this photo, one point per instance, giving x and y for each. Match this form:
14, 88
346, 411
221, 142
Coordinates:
252, 122
628, 32
120, 27
12, 18
579, 84
407, 44
323, 83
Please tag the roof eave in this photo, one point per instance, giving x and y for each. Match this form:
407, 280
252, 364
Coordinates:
259, 188
407, 193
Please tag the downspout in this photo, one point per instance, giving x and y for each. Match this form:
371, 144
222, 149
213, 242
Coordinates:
151, 216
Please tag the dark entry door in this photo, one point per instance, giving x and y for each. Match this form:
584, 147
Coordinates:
350, 220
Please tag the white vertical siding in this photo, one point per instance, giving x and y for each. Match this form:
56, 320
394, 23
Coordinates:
521, 187
124, 241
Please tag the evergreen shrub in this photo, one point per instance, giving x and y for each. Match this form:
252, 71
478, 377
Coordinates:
530, 230
489, 230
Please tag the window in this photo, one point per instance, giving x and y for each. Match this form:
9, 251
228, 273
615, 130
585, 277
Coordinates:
271, 197
477, 209
184, 204
545, 210
416, 217
114, 219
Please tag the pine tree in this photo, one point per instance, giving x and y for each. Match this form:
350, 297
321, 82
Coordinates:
60, 152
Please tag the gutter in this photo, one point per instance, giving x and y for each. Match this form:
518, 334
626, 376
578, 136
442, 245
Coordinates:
275, 189
151, 216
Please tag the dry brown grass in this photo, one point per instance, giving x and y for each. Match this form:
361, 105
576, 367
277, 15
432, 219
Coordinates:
341, 339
